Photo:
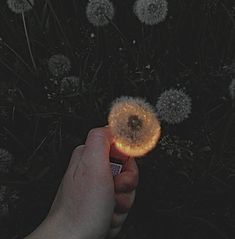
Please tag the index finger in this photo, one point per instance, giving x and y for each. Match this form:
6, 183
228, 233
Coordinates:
115, 153
128, 179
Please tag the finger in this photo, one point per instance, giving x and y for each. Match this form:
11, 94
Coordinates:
118, 219
130, 165
124, 202
97, 148
127, 180
115, 153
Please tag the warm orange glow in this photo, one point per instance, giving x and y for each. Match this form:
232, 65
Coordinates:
134, 125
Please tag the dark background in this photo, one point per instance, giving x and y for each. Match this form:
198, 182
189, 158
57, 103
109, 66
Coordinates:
186, 187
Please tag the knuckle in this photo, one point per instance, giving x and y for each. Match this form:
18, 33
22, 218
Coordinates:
96, 132
127, 186
78, 149
130, 182
124, 202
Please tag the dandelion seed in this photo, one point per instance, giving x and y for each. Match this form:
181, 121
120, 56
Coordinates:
232, 89
69, 84
99, 12
6, 160
173, 106
20, 6
151, 12
134, 125
59, 65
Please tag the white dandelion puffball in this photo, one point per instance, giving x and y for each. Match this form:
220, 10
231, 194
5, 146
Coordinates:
6, 160
69, 84
151, 12
20, 6
59, 65
173, 106
232, 89
99, 12
134, 126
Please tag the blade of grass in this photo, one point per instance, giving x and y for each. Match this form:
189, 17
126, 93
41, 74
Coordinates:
15, 139
228, 13
209, 224
18, 57
28, 42
13, 72
59, 25
124, 39
29, 159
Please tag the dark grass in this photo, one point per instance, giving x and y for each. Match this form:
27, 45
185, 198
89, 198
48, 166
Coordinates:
186, 196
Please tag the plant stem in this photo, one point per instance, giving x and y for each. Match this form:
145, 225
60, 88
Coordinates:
60, 26
19, 57
28, 42
8, 67
124, 39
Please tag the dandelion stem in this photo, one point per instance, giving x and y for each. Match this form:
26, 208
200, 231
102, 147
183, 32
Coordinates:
124, 38
118, 30
28, 42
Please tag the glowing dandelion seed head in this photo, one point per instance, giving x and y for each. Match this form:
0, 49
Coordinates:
173, 106
6, 160
99, 12
134, 125
20, 6
232, 89
151, 12
59, 65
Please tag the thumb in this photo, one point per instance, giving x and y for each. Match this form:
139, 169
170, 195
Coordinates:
97, 148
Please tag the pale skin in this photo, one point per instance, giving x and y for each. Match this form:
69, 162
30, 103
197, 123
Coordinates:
90, 202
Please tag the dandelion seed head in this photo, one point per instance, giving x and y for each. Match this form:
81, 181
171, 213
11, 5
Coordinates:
59, 65
6, 160
176, 146
232, 89
173, 106
151, 12
20, 6
69, 84
134, 125
99, 12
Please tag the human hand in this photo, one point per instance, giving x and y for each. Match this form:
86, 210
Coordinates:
90, 203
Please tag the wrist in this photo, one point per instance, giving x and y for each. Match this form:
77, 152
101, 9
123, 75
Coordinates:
55, 227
